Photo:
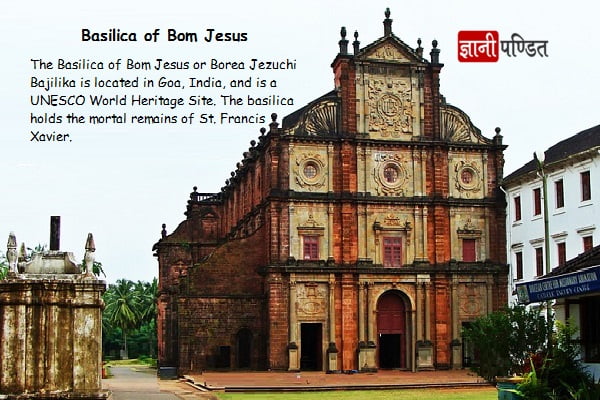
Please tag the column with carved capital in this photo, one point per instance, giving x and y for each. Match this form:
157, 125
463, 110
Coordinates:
332, 351
294, 355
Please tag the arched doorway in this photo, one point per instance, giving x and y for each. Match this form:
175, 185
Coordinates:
244, 348
391, 330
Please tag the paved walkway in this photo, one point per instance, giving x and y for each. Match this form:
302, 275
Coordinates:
256, 381
140, 382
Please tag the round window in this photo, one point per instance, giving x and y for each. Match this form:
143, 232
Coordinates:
466, 176
310, 170
390, 173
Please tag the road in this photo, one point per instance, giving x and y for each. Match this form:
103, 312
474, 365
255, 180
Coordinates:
134, 383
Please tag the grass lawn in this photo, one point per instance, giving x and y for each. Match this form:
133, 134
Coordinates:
421, 394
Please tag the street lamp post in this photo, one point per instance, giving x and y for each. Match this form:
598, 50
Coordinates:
542, 174
539, 157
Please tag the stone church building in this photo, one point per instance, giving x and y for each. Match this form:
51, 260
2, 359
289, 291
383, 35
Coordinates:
361, 234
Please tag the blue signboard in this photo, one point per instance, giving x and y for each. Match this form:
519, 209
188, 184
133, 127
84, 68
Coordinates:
584, 281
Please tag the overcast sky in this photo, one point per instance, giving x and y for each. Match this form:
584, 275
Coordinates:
121, 182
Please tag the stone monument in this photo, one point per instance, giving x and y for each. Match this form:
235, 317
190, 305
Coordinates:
51, 324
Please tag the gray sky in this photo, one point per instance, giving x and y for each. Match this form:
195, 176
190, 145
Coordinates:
121, 182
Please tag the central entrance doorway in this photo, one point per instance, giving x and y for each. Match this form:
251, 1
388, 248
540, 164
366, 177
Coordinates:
391, 331
311, 347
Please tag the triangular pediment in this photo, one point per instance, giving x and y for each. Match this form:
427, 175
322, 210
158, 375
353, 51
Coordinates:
390, 48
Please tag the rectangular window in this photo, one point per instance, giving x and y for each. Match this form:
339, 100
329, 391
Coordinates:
539, 262
468, 248
586, 189
588, 243
311, 247
537, 201
519, 264
590, 329
560, 194
518, 208
392, 251
562, 253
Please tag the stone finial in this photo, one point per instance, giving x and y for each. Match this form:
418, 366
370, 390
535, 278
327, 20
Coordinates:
262, 131
387, 23
343, 42
89, 243
89, 257
273, 125
356, 43
22, 259
194, 196
11, 252
435, 52
419, 48
498, 138
163, 232
22, 252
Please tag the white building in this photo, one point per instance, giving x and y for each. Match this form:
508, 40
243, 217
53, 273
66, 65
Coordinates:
572, 172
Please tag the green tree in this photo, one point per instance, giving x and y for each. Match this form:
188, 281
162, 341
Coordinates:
96, 268
122, 308
138, 302
504, 340
3, 265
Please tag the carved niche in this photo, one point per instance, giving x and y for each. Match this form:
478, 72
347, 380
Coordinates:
310, 171
390, 174
390, 106
311, 301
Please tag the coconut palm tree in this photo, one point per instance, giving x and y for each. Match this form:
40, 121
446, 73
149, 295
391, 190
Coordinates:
123, 308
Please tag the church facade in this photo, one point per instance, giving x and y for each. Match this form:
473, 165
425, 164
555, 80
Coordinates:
361, 233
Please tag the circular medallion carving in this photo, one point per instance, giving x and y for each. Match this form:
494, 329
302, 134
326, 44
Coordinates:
392, 175
467, 177
389, 105
310, 171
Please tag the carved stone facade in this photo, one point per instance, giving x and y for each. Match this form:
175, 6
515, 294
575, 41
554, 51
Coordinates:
361, 234
50, 327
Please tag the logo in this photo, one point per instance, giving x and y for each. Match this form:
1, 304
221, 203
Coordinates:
485, 46
478, 46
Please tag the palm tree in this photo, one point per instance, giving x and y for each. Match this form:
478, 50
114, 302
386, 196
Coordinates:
123, 308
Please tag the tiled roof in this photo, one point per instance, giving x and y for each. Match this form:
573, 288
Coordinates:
578, 143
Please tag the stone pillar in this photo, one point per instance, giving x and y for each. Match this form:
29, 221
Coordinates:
332, 351
293, 354
330, 232
424, 344
456, 344
367, 360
